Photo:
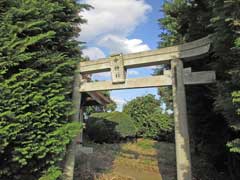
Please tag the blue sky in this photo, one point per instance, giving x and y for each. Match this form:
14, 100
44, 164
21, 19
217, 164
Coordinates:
150, 30
123, 26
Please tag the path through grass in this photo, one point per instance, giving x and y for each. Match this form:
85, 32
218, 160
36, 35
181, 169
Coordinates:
141, 160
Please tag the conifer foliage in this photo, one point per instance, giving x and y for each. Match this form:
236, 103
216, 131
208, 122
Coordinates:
38, 55
213, 110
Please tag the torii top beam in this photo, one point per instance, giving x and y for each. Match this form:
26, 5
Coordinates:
187, 51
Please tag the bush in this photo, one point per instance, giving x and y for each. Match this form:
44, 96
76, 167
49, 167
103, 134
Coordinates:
110, 127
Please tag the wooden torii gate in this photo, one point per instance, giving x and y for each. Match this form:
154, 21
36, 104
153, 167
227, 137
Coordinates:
177, 77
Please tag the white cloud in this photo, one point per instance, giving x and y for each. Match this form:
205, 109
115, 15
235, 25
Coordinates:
93, 53
151, 67
119, 101
117, 44
132, 72
101, 76
109, 24
113, 17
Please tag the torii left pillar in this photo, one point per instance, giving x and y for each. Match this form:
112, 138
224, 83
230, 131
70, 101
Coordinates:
68, 171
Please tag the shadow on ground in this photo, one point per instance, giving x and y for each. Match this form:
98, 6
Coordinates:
88, 167
166, 160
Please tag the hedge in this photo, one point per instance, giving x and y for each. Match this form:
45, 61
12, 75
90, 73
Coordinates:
110, 127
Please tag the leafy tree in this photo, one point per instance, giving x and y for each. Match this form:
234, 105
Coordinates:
111, 107
159, 126
148, 117
38, 55
234, 145
139, 108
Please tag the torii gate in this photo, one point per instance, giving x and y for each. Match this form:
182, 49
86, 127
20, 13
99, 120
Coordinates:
177, 77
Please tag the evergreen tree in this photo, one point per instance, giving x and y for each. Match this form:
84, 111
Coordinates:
38, 55
226, 25
212, 109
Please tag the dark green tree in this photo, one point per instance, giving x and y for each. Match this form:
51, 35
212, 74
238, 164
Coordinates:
226, 46
212, 109
38, 55
169, 36
226, 15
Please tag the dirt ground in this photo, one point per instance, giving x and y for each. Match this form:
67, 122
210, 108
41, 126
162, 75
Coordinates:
141, 160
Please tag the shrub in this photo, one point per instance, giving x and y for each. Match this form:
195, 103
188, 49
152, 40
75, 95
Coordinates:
110, 127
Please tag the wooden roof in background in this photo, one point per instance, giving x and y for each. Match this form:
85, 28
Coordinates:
94, 98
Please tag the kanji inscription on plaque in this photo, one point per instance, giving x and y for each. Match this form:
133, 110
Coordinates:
117, 69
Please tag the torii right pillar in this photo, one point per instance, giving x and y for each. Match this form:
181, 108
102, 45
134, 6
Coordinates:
180, 118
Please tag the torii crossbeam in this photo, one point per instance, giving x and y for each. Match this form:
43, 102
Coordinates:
177, 77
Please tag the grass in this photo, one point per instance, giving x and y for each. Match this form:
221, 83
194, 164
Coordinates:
145, 144
141, 160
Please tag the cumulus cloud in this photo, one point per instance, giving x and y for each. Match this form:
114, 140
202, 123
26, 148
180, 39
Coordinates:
151, 67
93, 53
117, 44
110, 23
102, 76
132, 72
113, 17
119, 101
